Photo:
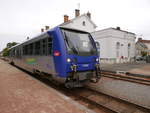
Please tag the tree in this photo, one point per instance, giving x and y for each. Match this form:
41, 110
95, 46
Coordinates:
11, 44
5, 52
8, 46
143, 53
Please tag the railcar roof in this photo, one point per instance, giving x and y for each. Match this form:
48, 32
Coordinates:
33, 38
69, 28
45, 33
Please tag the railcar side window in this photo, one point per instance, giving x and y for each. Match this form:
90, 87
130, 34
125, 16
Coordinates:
30, 49
23, 50
17, 52
13, 52
44, 47
26, 50
37, 48
40, 47
50, 46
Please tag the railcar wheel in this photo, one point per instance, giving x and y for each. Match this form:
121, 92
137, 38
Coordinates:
12, 63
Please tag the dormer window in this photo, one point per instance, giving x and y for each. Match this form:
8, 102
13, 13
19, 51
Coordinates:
83, 23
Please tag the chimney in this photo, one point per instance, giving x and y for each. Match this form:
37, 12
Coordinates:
46, 27
66, 18
27, 38
77, 12
42, 30
89, 14
118, 28
139, 39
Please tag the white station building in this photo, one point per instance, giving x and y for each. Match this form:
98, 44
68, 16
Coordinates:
116, 45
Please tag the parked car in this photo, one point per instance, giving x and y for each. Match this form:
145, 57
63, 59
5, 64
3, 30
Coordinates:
148, 59
140, 58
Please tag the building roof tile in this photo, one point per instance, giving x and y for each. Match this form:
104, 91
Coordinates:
144, 41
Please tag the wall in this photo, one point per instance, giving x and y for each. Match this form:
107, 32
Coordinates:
105, 43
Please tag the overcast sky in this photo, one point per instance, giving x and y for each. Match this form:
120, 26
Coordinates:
22, 18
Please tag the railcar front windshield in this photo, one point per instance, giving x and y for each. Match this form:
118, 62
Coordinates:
79, 43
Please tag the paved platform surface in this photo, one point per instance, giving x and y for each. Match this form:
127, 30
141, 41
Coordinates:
20, 93
135, 68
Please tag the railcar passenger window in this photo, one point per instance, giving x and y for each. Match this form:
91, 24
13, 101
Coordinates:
37, 48
44, 47
17, 52
25, 50
31, 49
49, 46
13, 52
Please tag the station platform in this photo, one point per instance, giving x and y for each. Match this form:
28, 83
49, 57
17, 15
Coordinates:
140, 68
21, 93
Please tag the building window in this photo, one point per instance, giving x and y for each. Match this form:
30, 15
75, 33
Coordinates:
83, 23
129, 47
117, 49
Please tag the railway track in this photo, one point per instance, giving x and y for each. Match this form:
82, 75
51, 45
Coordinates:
94, 100
108, 103
127, 77
79, 95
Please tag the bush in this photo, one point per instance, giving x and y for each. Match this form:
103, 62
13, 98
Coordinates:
143, 53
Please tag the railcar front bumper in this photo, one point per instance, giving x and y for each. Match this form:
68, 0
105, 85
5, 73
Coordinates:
78, 78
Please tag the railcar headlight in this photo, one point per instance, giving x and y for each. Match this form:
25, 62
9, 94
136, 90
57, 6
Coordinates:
97, 59
68, 60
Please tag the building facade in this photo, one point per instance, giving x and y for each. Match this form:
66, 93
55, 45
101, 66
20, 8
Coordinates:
116, 45
142, 46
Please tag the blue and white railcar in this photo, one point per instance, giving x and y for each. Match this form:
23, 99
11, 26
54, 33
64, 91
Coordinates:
68, 55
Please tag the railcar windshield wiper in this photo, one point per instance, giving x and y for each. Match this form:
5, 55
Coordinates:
70, 44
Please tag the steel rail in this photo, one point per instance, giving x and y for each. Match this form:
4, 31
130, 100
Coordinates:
94, 100
124, 77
